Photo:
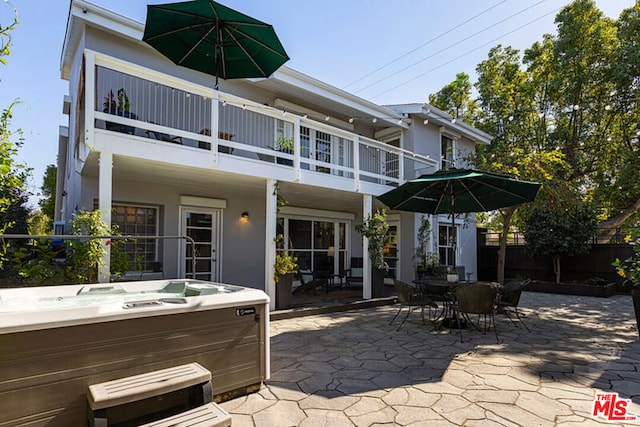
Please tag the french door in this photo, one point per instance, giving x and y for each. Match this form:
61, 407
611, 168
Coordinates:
203, 226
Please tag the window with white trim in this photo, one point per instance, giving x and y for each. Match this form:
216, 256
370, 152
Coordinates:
138, 221
446, 149
445, 243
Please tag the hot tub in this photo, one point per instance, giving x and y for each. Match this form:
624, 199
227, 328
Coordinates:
55, 341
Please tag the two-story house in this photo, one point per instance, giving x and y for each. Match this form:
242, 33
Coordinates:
161, 153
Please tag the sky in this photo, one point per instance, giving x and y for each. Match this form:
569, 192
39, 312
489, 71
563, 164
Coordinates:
385, 51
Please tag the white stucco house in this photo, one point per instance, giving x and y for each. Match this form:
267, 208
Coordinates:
161, 153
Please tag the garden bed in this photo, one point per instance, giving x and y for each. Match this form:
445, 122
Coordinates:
591, 290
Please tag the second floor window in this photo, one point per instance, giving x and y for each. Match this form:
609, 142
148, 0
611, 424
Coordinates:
448, 160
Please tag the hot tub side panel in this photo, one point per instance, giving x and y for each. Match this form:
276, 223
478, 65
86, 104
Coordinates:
44, 374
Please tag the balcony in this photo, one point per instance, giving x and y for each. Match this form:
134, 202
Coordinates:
151, 107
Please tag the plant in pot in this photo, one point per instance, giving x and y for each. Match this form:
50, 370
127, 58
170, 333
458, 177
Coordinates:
284, 144
285, 267
119, 105
376, 229
629, 269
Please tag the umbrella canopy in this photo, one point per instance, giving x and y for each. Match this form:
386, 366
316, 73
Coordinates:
209, 37
459, 191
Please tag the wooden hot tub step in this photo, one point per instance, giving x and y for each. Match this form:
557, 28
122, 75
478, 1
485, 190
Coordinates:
135, 388
209, 415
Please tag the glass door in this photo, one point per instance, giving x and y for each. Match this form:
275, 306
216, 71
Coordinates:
203, 226
391, 251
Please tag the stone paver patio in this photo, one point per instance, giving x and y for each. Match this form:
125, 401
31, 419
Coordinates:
353, 369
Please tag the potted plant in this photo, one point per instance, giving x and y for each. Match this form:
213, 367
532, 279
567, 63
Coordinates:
375, 229
629, 269
119, 105
284, 144
285, 267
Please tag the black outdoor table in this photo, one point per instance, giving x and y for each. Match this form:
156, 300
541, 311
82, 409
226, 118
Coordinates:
442, 291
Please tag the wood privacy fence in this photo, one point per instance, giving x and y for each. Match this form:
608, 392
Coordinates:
520, 264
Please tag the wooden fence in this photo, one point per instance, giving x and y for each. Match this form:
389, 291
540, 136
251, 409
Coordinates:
520, 264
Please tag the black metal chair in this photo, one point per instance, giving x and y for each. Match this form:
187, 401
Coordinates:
509, 299
476, 298
411, 298
309, 281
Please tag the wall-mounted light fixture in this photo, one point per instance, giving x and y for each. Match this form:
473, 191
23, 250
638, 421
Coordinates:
245, 215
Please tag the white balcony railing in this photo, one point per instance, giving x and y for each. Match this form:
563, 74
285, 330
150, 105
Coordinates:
148, 109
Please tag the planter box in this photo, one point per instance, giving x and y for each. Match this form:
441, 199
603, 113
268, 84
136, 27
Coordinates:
604, 291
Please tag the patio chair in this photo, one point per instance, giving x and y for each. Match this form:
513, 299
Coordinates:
309, 281
354, 276
509, 299
476, 298
411, 298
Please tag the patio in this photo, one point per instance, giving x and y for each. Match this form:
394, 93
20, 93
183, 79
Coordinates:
353, 369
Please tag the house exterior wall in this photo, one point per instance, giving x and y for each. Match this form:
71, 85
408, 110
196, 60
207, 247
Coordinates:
139, 163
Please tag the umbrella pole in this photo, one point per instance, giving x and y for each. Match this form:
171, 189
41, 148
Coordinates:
454, 236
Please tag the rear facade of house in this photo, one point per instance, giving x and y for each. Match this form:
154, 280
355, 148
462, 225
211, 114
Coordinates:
161, 153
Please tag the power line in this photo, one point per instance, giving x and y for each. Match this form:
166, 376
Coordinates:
466, 53
451, 46
423, 45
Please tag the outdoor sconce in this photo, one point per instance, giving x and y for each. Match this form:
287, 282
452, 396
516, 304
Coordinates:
245, 215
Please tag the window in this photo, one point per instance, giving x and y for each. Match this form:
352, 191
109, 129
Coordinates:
445, 243
138, 221
391, 251
316, 243
448, 160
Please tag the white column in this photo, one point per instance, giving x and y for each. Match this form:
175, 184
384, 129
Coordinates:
296, 150
367, 207
271, 215
356, 164
104, 205
215, 105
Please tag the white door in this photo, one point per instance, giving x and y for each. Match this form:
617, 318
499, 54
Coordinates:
203, 226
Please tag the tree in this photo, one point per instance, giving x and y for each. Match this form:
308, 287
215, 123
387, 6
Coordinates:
455, 98
12, 175
48, 188
556, 231
508, 113
619, 189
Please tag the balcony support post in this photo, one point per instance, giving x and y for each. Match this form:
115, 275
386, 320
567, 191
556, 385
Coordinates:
271, 216
356, 163
367, 210
296, 150
105, 190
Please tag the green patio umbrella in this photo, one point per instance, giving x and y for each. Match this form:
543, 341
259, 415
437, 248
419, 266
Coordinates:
206, 36
459, 191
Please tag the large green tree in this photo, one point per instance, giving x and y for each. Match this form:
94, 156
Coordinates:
48, 201
455, 98
12, 174
566, 114
508, 112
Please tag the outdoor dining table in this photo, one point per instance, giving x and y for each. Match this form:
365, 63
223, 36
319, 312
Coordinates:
442, 291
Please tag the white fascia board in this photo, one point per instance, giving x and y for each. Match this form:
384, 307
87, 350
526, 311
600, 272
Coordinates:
442, 118
82, 12
369, 109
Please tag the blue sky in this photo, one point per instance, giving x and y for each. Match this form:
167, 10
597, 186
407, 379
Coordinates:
384, 51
